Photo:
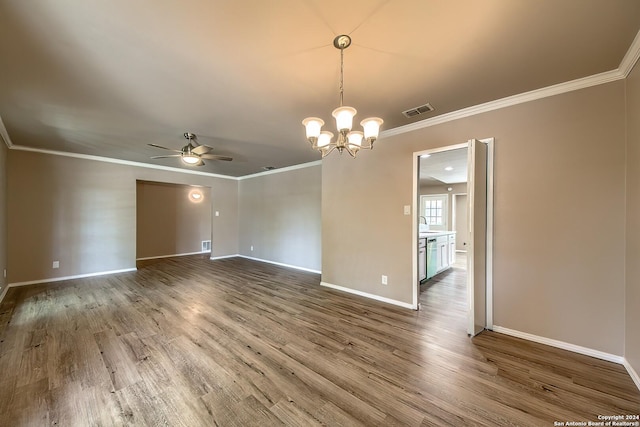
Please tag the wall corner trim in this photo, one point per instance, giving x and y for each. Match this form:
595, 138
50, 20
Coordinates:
631, 57
632, 372
309, 270
561, 344
77, 276
4, 135
368, 295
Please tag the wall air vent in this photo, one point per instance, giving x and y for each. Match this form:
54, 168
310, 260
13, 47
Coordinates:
426, 108
206, 246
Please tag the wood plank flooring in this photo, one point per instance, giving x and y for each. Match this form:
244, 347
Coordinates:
234, 342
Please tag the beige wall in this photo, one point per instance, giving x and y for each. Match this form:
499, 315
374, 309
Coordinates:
169, 221
3, 214
280, 217
559, 195
83, 214
632, 297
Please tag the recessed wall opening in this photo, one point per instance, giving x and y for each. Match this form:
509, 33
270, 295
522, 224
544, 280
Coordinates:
172, 220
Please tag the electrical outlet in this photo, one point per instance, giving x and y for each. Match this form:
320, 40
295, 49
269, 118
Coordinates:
384, 279
251, 248
407, 209
56, 264
217, 213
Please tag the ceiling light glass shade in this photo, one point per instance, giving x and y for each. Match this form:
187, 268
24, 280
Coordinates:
355, 138
313, 125
190, 159
371, 127
344, 117
324, 139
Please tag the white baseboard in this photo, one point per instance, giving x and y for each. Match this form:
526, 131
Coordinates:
368, 295
561, 344
77, 276
4, 292
632, 372
171, 256
213, 258
281, 264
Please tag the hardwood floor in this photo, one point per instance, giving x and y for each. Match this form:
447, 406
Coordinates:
191, 342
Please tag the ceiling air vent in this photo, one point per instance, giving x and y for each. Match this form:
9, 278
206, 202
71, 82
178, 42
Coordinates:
426, 108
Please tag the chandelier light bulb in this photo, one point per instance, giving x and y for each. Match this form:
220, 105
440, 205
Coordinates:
371, 127
344, 118
324, 139
313, 126
355, 139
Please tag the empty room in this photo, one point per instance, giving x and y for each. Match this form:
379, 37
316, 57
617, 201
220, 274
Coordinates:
305, 212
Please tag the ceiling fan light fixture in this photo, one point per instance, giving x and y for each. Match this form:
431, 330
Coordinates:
347, 140
190, 159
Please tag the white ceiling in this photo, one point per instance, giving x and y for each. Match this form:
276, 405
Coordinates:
108, 77
433, 169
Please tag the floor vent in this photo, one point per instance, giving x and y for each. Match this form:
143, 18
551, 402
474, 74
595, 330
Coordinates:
206, 246
426, 108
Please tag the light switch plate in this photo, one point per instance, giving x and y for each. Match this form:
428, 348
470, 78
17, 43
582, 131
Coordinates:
407, 209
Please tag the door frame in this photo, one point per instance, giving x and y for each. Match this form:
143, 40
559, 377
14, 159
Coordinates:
490, 216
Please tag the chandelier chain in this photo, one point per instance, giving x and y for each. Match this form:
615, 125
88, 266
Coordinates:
341, 76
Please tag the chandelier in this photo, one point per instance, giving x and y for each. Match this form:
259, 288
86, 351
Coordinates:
348, 140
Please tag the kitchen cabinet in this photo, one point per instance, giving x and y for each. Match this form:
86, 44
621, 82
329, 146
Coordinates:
452, 249
437, 251
443, 252
422, 259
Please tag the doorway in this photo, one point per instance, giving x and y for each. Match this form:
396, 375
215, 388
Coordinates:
453, 212
171, 220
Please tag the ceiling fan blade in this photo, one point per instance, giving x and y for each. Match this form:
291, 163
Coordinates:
216, 157
167, 156
164, 148
201, 149
200, 163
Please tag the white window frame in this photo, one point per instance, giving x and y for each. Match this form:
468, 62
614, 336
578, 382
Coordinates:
445, 210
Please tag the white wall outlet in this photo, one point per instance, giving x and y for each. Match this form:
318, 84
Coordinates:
407, 209
251, 248
56, 264
217, 213
384, 279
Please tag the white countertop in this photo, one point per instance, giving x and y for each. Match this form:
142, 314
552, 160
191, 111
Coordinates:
426, 234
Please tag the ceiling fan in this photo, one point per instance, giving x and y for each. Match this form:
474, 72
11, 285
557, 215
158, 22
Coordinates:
193, 153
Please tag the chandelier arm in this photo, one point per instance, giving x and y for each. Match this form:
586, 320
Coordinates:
326, 152
351, 151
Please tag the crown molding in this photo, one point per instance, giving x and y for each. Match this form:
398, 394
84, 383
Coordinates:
5, 135
287, 169
626, 65
585, 82
631, 57
157, 167
119, 162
